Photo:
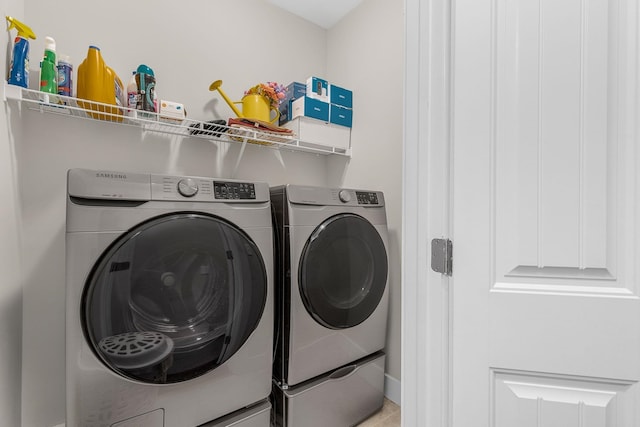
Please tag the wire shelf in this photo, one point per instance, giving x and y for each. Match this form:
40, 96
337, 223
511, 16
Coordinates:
153, 122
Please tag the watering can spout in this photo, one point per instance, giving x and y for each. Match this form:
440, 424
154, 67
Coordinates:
216, 86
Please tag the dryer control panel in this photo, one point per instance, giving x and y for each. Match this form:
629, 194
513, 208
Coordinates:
323, 196
367, 197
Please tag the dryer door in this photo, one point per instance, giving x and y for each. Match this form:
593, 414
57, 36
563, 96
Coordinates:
343, 271
174, 298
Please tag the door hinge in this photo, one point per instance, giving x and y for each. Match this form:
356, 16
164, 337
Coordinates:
442, 256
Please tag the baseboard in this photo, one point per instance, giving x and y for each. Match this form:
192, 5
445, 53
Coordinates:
392, 389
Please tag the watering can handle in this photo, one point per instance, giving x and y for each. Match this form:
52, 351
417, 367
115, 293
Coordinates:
275, 119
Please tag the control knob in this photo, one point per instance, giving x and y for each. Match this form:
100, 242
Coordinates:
344, 196
188, 187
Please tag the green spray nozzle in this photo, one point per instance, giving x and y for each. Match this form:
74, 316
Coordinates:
23, 30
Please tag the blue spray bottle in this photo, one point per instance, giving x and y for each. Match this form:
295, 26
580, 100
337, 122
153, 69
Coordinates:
19, 71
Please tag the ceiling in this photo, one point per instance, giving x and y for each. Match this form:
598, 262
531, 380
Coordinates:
324, 13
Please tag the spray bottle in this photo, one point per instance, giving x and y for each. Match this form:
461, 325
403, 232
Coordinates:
48, 71
19, 70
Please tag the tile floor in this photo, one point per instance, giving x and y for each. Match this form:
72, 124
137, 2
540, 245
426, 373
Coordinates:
388, 416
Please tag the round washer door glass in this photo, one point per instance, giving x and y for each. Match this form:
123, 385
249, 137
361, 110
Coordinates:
343, 271
174, 298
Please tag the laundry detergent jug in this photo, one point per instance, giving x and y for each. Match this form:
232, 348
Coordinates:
99, 83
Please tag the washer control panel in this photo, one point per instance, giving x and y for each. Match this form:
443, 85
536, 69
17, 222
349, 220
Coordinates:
234, 190
166, 187
367, 197
196, 189
107, 184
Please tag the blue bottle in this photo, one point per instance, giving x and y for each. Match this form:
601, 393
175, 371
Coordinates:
19, 71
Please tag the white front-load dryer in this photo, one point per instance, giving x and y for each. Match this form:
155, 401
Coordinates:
169, 300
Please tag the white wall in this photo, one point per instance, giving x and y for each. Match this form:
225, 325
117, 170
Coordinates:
365, 53
10, 287
188, 47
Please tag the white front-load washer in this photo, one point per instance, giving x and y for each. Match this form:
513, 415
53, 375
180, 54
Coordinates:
168, 300
331, 304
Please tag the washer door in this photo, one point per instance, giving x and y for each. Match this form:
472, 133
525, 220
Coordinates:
174, 298
343, 271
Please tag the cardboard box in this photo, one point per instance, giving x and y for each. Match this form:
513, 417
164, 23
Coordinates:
293, 91
316, 132
309, 107
340, 96
318, 88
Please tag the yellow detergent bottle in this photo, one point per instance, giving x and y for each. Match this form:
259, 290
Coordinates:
99, 83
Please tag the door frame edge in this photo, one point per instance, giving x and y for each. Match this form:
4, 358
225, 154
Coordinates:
426, 351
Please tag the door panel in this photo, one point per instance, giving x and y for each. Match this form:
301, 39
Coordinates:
543, 401
555, 142
546, 314
568, 334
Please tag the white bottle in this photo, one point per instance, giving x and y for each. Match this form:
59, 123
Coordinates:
132, 95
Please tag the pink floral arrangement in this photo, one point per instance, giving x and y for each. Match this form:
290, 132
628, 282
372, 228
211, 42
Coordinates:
273, 91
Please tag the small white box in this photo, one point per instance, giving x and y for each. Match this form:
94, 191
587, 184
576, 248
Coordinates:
318, 88
171, 112
318, 132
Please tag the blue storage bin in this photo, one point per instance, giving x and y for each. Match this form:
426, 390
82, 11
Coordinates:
309, 107
341, 96
340, 115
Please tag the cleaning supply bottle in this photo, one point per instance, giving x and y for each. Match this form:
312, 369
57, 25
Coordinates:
99, 83
65, 76
146, 80
48, 71
19, 70
132, 94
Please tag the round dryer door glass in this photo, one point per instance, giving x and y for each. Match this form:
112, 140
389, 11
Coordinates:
343, 271
174, 298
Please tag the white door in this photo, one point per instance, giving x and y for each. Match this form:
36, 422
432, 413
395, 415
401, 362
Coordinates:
545, 222
539, 325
